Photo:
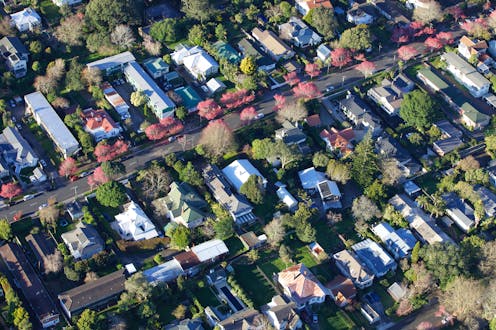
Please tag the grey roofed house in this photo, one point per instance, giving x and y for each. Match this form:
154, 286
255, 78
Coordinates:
16, 150
389, 147
281, 314
359, 113
466, 74
376, 259
83, 242
264, 62
42, 246
297, 32
242, 320
398, 242
447, 129
186, 324
113, 63
442, 147
352, 267
15, 55
459, 211
165, 272
93, 294
28, 281
290, 134
75, 210
488, 199
46, 116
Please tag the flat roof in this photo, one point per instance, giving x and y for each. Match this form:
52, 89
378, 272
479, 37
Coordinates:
189, 96
112, 61
210, 250
51, 121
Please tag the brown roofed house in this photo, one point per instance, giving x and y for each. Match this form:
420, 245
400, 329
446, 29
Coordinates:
339, 140
245, 319
189, 262
342, 290
272, 44
42, 246
93, 294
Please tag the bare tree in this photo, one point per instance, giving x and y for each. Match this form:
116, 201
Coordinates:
50, 214
391, 174
155, 180
293, 112
338, 171
90, 276
463, 297
53, 262
5, 27
217, 138
468, 163
487, 265
44, 84
424, 281
428, 13
92, 76
364, 209
152, 47
122, 36
275, 232
61, 103
70, 31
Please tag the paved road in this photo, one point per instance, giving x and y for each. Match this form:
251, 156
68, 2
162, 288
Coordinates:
346, 78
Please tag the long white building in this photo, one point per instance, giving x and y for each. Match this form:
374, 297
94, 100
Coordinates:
49, 120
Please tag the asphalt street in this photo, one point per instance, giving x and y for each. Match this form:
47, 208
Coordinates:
345, 78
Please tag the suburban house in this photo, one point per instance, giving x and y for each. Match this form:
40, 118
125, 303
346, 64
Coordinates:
115, 100
359, 113
74, 210
290, 134
298, 33
376, 259
46, 116
272, 45
133, 224
196, 61
445, 146
15, 56
472, 117
83, 242
466, 74
397, 291
323, 52
369, 309
389, 94
189, 98
187, 262
448, 130
215, 85
156, 67
301, 286
38, 176
351, 267
460, 212
112, 64
281, 314
304, 6
99, 124
16, 150
423, 225
390, 148
342, 290
244, 319
488, 199
286, 198
227, 52
61, 3
329, 194
468, 49
184, 205
411, 189
339, 141
237, 205
399, 242
94, 294
26, 20
310, 178
238, 172
360, 14
27, 280
250, 49
42, 246
252, 241
392, 11
157, 100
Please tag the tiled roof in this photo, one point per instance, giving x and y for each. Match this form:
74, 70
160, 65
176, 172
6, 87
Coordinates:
95, 119
302, 284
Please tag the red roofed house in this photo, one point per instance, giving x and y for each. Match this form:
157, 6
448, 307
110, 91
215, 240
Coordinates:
301, 286
342, 290
313, 120
99, 124
304, 6
339, 140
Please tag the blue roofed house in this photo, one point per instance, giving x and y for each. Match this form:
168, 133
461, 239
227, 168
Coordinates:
399, 242
156, 67
298, 33
459, 211
376, 259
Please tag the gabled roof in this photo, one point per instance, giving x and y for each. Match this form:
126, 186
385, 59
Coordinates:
390, 147
210, 250
316, 3
310, 178
339, 139
189, 97
98, 119
376, 259
155, 64
302, 284
93, 292
297, 30
12, 45
352, 266
112, 61
488, 199
182, 200
26, 16
226, 51
448, 129
271, 42
199, 62
239, 171
245, 319
17, 145
82, 237
400, 242
134, 222
473, 114
343, 286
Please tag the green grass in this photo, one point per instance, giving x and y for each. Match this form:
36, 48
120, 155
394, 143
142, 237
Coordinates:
254, 284
205, 296
428, 182
331, 317
23, 227
50, 11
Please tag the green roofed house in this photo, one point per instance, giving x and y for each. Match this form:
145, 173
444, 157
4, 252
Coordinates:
473, 117
184, 205
156, 67
189, 97
226, 51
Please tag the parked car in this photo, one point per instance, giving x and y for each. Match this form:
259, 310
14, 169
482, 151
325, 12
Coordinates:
43, 163
19, 127
315, 318
12, 103
329, 88
171, 139
28, 197
260, 115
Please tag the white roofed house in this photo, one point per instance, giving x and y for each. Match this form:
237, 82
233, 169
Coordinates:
281, 314
460, 212
15, 55
286, 197
26, 20
238, 172
49, 120
360, 14
157, 100
329, 194
210, 251
112, 64
352, 267
115, 100
201, 65
323, 52
16, 150
133, 224
99, 124
399, 242
310, 178
83, 242
298, 33
466, 74
61, 3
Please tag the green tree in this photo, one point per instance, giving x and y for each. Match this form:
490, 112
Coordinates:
418, 109
196, 35
73, 79
181, 113
224, 228
320, 160
338, 171
111, 194
221, 32
5, 230
376, 191
248, 65
180, 237
88, 320
138, 98
113, 169
490, 141
35, 47
444, 261
253, 189
261, 149
364, 164
71, 274
305, 232
415, 253
395, 218
199, 10
356, 38
105, 15
165, 31
21, 319
324, 21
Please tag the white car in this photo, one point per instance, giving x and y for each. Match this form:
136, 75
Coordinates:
260, 115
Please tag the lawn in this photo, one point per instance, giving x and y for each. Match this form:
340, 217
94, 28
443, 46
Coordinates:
331, 317
428, 182
254, 284
204, 294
